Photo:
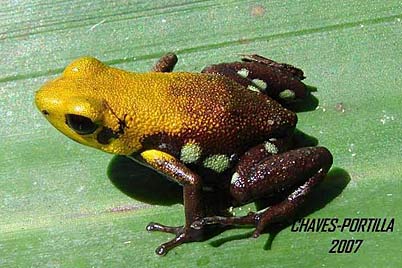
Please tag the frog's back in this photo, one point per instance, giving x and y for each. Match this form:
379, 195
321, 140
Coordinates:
218, 114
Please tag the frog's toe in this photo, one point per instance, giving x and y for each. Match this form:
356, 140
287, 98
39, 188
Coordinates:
165, 247
185, 235
153, 226
182, 235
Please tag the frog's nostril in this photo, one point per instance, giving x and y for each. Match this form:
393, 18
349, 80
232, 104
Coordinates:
45, 112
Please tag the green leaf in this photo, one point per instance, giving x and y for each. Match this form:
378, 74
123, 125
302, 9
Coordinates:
57, 207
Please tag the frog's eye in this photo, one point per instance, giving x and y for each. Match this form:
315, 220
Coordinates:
80, 124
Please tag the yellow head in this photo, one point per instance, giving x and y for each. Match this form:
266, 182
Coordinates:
78, 104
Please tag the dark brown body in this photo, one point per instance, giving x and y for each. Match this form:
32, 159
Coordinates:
262, 162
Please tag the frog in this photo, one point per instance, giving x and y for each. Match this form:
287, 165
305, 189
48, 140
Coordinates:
225, 134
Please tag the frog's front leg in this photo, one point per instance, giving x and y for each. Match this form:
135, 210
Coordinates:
165, 64
192, 193
289, 176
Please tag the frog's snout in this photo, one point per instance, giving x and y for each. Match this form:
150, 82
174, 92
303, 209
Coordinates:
48, 104
40, 102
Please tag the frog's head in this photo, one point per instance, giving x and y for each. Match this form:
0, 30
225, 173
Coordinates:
76, 104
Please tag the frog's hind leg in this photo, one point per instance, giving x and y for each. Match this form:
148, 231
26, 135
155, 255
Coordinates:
291, 175
166, 63
280, 81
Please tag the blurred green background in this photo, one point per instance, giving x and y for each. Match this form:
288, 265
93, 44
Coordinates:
57, 206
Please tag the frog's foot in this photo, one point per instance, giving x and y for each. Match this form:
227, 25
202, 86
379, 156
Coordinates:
183, 235
280, 81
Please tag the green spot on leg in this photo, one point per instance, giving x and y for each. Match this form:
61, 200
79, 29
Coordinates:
270, 147
287, 94
260, 84
218, 162
253, 88
235, 177
243, 72
190, 153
